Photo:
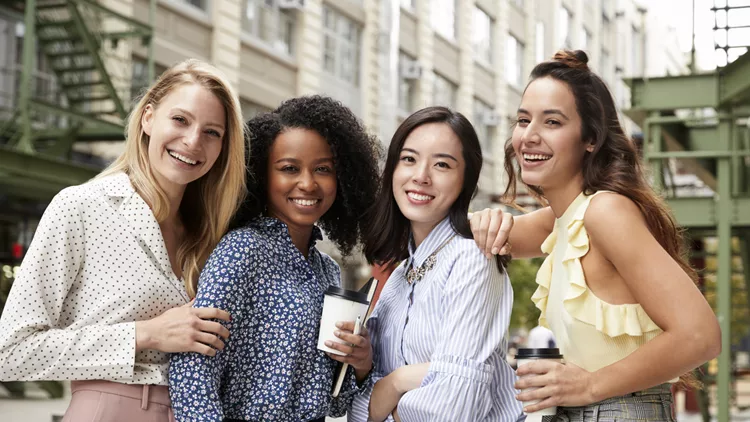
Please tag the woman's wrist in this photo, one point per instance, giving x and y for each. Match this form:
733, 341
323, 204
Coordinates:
143, 339
361, 374
594, 389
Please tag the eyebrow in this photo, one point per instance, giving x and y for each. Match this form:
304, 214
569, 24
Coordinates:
192, 116
438, 155
548, 111
295, 160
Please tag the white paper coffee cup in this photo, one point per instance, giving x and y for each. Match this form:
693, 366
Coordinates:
339, 305
524, 356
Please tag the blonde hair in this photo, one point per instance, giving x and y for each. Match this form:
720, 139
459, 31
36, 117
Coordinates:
210, 202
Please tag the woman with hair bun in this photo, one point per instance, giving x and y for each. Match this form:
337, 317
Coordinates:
615, 287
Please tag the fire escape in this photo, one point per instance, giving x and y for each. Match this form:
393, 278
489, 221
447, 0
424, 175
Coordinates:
87, 48
699, 124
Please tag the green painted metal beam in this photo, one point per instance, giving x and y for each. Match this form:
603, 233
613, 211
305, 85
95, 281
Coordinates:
19, 187
85, 134
673, 92
26, 143
50, 170
724, 274
702, 213
728, 87
735, 81
694, 212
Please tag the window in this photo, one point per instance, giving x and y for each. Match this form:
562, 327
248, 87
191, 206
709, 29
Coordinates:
139, 76
407, 85
483, 115
444, 92
264, 20
341, 39
539, 49
585, 39
481, 36
635, 51
444, 18
605, 67
563, 23
200, 4
514, 62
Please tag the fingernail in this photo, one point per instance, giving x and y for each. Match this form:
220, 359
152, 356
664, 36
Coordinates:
329, 343
337, 333
494, 251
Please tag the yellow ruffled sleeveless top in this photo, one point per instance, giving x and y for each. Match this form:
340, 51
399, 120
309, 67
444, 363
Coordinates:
590, 332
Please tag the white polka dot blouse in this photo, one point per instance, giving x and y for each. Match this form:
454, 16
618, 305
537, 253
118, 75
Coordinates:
97, 264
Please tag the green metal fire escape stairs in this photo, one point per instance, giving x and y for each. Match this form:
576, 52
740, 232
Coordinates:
703, 120
88, 48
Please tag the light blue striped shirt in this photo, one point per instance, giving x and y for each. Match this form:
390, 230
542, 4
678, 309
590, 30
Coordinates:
457, 319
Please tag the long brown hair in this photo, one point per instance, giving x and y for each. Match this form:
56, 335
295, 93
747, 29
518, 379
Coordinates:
614, 163
387, 234
209, 202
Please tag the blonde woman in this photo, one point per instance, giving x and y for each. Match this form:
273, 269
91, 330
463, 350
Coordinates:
103, 292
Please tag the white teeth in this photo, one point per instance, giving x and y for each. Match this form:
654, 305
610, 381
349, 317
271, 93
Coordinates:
418, 197
536, 157
183, 158
305, 202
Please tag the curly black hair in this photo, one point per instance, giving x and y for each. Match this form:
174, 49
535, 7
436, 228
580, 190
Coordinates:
355, 155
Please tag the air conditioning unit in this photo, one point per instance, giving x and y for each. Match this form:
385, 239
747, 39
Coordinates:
291, 4
490, 118
411, 69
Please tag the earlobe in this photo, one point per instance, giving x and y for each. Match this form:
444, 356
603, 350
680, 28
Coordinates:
147, 119
590, 148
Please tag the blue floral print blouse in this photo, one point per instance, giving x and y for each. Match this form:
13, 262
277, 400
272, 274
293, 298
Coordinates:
270, 368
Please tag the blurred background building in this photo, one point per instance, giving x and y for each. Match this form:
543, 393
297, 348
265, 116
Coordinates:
64, 98
383, 59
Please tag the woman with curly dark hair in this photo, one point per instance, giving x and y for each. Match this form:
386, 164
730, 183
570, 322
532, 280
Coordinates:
312, 164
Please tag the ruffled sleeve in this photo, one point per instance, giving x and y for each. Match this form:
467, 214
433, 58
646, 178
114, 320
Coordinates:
580, 302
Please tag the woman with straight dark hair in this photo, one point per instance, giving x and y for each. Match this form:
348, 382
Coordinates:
439, 328
615, 287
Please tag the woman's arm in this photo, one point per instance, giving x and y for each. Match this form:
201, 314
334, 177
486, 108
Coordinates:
618, 230
492, 229
31, 348
195, 379
388, 391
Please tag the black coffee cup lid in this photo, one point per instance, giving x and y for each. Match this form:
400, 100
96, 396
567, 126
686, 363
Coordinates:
550, 353
347, 294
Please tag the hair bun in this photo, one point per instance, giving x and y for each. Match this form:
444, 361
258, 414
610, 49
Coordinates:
576, 59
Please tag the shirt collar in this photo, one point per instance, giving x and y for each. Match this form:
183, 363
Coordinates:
118, 185
276, 225
441, 233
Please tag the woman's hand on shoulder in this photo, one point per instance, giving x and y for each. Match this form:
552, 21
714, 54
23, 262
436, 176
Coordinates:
357, 351
491, 229
184, 329
500, 233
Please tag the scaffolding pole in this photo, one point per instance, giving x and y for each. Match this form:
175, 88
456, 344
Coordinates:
25, 143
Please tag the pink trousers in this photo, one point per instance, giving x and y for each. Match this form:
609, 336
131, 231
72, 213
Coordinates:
106, 401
